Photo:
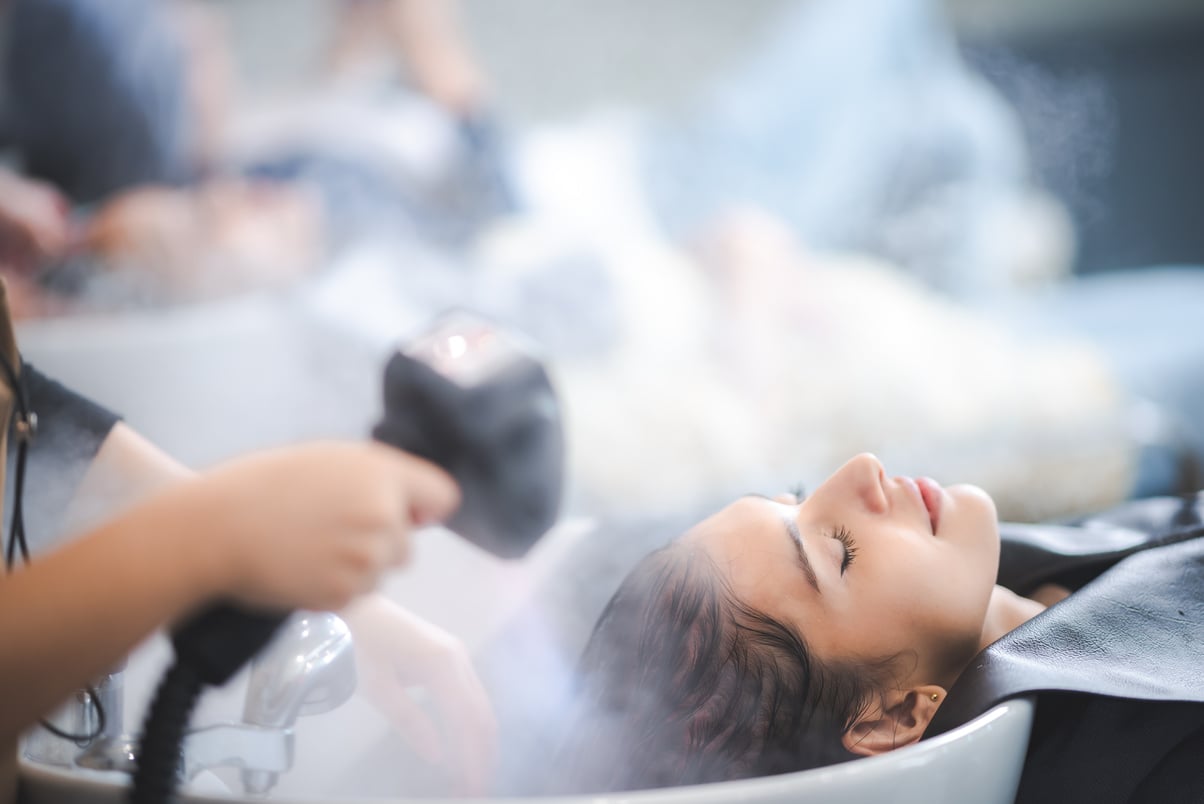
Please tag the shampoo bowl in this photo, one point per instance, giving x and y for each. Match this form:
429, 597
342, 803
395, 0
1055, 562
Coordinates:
980, 761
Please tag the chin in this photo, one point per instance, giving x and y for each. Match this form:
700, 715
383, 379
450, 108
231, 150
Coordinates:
975, 498
976, 511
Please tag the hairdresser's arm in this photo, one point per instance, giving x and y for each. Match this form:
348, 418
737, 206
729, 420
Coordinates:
396, 651
306, 527
126, 469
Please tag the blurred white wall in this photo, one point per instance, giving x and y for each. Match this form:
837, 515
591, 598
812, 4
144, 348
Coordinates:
544, 59
551, 59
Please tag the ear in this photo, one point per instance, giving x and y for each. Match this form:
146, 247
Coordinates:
898, 720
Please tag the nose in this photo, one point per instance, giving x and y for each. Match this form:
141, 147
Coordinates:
864, 475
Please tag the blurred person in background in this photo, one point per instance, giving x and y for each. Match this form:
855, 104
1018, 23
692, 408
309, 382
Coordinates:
120, 128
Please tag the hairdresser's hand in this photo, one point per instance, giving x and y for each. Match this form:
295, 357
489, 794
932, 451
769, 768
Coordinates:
396, 652
34, 223
314, 526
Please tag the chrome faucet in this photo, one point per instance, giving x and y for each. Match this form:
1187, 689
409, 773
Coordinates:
307, 669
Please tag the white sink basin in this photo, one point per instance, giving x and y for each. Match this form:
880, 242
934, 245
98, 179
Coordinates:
980, 761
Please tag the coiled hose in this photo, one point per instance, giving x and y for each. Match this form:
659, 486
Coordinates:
160, 749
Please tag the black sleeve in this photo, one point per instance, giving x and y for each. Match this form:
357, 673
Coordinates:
69, 433
1075, 552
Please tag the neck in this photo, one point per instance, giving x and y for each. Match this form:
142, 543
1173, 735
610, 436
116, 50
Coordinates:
1006, 611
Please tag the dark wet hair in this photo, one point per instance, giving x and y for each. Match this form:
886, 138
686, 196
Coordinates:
683, 683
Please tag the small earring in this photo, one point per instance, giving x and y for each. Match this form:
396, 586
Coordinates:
935, 696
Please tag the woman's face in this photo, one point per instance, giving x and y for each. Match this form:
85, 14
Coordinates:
868, 567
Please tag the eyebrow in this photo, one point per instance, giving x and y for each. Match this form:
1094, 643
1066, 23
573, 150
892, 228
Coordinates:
803, 561
796, 539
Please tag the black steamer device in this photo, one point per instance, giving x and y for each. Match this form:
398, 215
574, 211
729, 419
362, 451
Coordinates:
463, 395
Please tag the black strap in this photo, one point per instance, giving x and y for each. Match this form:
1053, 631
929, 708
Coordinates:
26, 425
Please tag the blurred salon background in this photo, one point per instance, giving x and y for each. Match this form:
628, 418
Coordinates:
1137, 64
749, 240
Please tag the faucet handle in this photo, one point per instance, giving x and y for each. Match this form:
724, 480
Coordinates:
307, 669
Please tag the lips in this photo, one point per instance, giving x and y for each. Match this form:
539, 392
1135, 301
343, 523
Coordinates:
933, 495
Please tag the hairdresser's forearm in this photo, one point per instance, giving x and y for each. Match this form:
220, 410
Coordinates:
75, 613
126, 470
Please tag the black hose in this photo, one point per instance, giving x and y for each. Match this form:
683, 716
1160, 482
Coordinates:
161, 745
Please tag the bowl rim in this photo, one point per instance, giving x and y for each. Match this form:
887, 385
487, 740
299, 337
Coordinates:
766, 787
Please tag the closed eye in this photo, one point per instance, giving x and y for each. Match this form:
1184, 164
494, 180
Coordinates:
845, 537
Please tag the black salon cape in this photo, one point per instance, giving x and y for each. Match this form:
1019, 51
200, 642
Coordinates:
1117, 668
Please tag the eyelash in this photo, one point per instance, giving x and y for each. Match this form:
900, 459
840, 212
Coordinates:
842, 535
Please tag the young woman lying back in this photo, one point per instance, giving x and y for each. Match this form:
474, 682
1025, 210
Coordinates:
785, 634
